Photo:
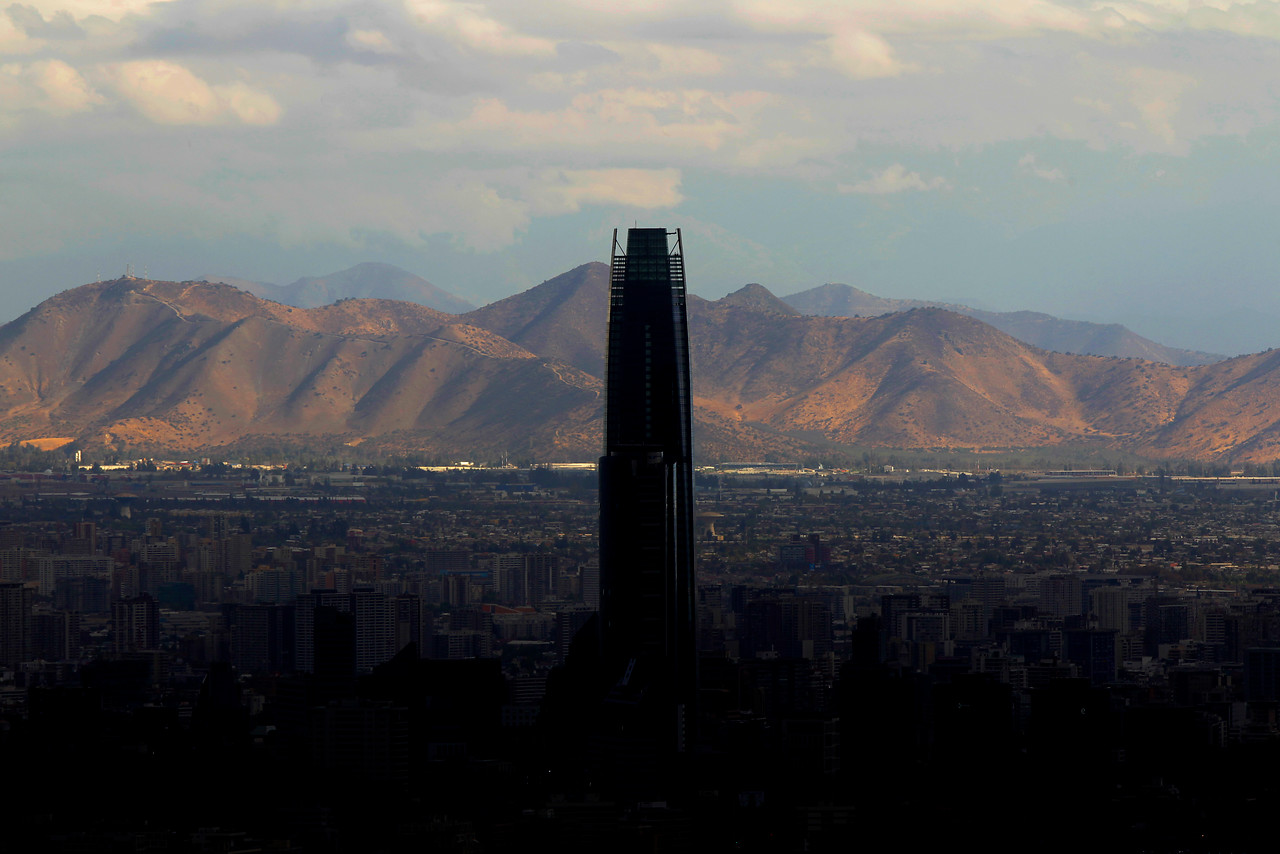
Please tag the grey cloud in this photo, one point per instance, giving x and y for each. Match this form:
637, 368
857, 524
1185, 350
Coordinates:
320, 40
575, 55
28, 19
698, 27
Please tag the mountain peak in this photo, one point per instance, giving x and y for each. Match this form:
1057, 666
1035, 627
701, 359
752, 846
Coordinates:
757, 297
564, 317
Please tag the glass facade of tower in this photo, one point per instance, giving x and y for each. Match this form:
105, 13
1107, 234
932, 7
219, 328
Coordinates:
646, 485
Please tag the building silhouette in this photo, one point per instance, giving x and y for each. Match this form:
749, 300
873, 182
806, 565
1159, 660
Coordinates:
647, 619
135, 624
15, 616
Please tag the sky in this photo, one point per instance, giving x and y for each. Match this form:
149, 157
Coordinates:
1107, 161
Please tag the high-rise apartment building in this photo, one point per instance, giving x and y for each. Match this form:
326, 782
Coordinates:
374, 620
135, 624
647, 626
262, 638
15, 621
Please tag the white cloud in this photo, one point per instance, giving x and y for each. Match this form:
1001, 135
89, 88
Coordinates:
14, 40
248, 105
1099, 104
112, 10
50, 86
1157, 95
372, 41
863, 55
992, 19
1241, 17
894, 179
963, 18
1027, 163
616, 121
566, 191
470, 26
168, 93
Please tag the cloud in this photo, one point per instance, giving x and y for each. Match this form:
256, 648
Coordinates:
685, 61
784, 151
967, 19
28, 19
1157, 95
168, 93
371, 41
469, 26
1099, 104
567, 191
112, 10
296, 205
1027, 163
894, 179
1241, 17
995, 19
14, 40
50, 86
863, 55
613, 121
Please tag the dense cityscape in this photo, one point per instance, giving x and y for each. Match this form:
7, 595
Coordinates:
359, 639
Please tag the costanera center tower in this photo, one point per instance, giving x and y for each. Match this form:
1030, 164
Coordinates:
647, 632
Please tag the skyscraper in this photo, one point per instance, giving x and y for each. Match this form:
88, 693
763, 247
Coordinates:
15, 620
647, 627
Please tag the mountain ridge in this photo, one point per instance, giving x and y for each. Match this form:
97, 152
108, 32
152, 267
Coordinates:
198, 366
1082, 337
369, 279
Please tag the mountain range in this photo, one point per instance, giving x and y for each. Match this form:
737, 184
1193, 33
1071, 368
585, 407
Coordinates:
363, 281
1040, 330
196, 366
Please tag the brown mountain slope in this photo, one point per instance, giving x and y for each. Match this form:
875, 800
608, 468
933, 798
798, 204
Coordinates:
194, 365
921, 378
768, 379
931, 378
1232, 410
562, 318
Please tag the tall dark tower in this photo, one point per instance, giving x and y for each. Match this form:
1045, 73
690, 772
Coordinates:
647, 623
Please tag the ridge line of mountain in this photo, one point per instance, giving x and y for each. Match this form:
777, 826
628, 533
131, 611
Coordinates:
1043, 330
121, 364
